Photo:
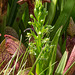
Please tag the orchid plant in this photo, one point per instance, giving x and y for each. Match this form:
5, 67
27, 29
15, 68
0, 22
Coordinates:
47, 21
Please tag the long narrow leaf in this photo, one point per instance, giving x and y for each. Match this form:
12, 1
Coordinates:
61, 66
19, 16
12, 13
64, 16
53, 51
51, 11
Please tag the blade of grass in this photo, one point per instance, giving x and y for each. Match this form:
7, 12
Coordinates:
15, 63
19, 72
24, 58
2, 63
61, 65
53, 51
46, 69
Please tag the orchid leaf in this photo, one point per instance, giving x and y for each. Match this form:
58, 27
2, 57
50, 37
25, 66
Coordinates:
61, 65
